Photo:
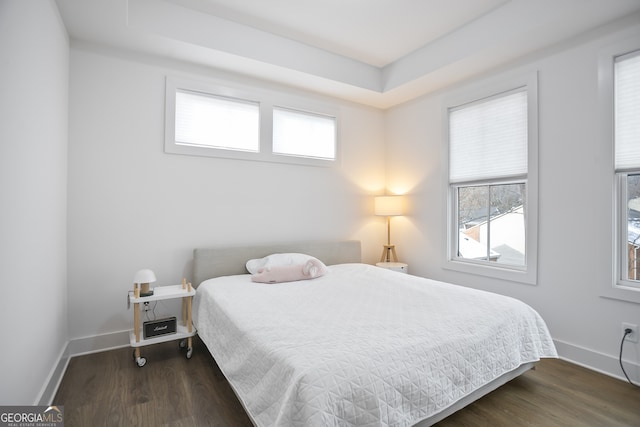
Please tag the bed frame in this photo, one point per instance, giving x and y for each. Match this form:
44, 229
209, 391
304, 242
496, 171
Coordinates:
477, 394
226, 261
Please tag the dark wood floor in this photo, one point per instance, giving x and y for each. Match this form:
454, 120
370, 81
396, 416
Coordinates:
108, 389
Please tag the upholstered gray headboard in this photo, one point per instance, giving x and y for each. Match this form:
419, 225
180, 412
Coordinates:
227, 261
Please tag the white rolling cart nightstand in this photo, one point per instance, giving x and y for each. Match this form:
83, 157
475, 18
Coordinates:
400, 267
184, 330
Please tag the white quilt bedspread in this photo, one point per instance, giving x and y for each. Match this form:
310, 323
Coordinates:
361, 345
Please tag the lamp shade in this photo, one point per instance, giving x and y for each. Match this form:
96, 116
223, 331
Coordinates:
144, 276
389, 205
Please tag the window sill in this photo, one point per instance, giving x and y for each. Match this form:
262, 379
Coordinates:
621, 293
526, 277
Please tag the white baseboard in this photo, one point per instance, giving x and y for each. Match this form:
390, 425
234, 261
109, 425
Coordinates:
52, 382
78, 347
98, 343
599, 362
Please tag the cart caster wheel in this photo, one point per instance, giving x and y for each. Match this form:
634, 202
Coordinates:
183, 343
141, 361
189, 352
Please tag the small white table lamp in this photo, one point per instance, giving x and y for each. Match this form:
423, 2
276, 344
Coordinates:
389, 206
143, 278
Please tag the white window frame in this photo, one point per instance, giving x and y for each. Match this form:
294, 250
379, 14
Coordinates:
267, 101
526, 274
617, 287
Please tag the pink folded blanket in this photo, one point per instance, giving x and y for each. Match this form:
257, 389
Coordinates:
290, 273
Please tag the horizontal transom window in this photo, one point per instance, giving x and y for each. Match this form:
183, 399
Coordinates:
248, 123
212, 121
298, 133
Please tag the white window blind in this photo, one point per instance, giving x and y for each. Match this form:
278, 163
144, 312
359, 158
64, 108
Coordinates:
298, 133
627, 111
211, 121
488, 138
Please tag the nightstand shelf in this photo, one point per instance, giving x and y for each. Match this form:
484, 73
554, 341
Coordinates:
182, 332
185, 331
164, 292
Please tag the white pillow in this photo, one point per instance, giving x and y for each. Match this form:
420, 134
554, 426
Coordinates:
277, 260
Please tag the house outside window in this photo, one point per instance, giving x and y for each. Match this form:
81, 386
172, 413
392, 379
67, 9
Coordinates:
492, 174
632, 222
491, 220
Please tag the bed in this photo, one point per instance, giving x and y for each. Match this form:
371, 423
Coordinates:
359, 345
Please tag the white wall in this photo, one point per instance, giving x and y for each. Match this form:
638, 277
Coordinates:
132, 206
34, 58
575, 201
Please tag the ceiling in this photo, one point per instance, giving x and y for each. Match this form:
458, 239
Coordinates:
375, 52
376, 32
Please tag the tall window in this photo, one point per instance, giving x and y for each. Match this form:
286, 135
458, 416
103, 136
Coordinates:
492, 228
627, 164
246, 123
